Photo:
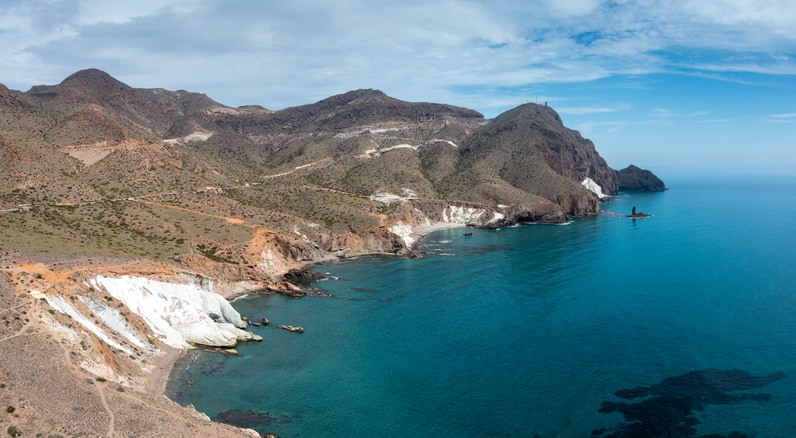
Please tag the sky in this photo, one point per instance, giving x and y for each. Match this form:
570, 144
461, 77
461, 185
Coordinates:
668, 85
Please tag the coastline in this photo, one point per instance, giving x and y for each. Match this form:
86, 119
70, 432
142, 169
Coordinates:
424, 230
162, 366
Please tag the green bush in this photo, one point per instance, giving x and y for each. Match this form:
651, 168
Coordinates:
11, 409
13, 431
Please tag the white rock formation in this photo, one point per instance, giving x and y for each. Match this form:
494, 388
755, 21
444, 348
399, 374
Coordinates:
405, 232
114, 320
461, 215
62, 305
594, 187
179, 314
194, 136
496, 217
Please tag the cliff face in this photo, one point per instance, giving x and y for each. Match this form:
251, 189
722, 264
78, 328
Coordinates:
76, 361
528, 148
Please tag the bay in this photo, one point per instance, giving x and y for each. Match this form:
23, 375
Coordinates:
530, 330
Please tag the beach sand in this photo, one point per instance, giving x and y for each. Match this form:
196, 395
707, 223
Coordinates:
162, 366
424, 230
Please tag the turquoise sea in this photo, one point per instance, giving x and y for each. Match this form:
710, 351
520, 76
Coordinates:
680, 324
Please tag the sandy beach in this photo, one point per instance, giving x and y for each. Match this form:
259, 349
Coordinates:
424, 230
162, 365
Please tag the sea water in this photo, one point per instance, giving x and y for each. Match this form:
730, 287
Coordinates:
679, 324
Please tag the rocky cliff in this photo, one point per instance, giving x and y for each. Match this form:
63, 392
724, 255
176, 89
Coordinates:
530, 151
635, 178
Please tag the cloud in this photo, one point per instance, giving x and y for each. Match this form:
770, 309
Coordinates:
571, 8
668, 113
776, 16
286, 53
782, 118
663, 112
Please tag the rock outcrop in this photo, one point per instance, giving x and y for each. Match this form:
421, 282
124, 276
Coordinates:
180, 314
635, 178
526, 157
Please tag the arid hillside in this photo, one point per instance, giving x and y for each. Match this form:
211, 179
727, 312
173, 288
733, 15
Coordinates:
105, 169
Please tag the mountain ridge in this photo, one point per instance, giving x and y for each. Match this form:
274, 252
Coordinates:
343, 167
103, 139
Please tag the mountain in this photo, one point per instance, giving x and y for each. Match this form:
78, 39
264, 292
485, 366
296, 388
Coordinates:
108, 169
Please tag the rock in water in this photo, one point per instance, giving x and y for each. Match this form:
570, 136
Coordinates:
290, 328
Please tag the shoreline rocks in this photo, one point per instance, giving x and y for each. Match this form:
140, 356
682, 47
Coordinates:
290, 328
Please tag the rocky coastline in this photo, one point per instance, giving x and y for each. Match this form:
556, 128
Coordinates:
134, 215
140, 359
53, 297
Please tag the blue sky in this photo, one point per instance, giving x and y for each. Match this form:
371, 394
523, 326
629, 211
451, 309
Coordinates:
669, 85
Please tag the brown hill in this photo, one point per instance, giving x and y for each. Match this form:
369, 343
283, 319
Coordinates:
340, 165
528, 148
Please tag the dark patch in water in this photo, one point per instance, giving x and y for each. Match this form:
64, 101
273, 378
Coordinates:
365, 289
251, 419
668, 410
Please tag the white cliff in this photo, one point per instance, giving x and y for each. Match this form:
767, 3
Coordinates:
594, 188
179, 314
461, 215
63, 305
405, 232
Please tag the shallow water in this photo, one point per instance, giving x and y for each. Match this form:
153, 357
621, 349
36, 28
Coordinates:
529, 329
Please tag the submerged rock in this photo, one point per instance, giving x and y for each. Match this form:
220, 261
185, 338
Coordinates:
290, 328
667, 409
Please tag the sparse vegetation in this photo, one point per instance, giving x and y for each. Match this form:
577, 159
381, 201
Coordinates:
133, 197
211, 252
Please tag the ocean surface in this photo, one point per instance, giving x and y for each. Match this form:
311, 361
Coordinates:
679, 324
